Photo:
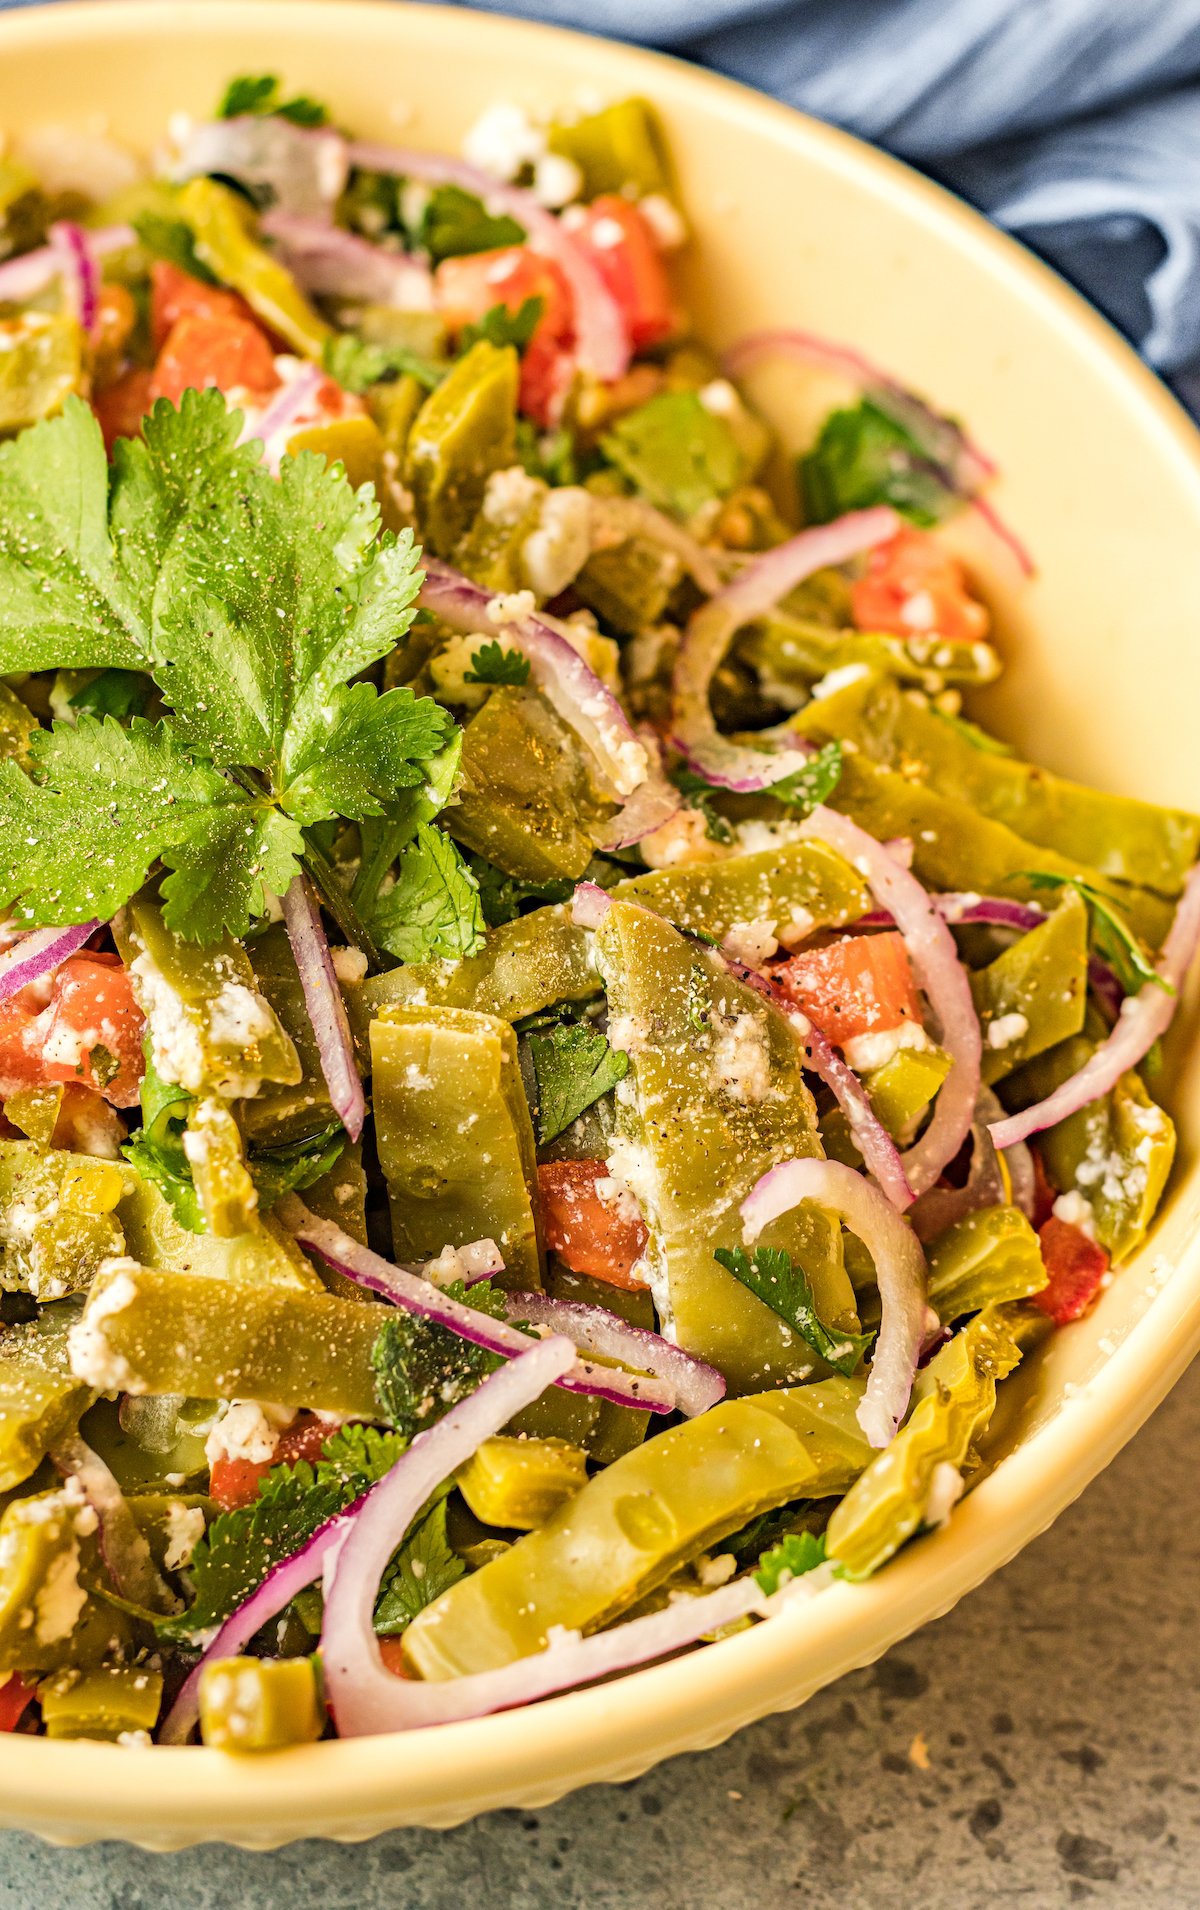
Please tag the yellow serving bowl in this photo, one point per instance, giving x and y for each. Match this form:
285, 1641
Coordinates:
793, 225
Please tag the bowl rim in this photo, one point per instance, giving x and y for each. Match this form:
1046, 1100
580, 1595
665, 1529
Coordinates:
72, 1792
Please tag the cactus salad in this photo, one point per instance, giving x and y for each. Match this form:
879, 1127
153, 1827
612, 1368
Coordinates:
548, 1071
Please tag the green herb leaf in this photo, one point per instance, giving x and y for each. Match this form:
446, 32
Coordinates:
864, 456
574, 1067
113, 693
798, 1553
357, 364
699, 794
501, 895
455, 222
1112, 937
422, 1569
277, 1171
493, 664
806, 788
422, 1370
502, 327
173, 240
770, 1274
260, 94
432, 909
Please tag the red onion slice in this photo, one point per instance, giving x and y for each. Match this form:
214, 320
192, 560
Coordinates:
899, 1266
407, 1289
40, 953
711, 630
601, 339
274, 424
566, 681
593, 1329
80, 270
589, 905
26, 276
122, 1544
1019, 1162
632, 516
1143, 1019
328, 260
985, 1185
302, 168
326, 1009
940, 974
366, 1700
654, 802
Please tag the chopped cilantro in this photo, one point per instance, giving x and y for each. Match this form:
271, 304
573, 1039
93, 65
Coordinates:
259, 93
501, 896
699, 795
422, 1369
796, 1554
806, 788
502, 327
770, 1274
171, 239
432, 911
574, 1067
1111, 934
113, 693
864, 456
422, 1569
357, 364
264, 738
493, 664
455, 222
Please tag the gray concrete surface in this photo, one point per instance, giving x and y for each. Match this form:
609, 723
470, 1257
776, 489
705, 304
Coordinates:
1038, 1746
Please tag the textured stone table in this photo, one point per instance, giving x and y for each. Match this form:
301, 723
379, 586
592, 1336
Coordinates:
1038, 1746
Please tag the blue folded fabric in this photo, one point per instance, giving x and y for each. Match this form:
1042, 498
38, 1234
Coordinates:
1074, 123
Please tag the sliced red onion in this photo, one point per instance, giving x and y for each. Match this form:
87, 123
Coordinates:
326, 1008
985, 1186
566, 681
279, 1587
80, 270
122, 1544
593, 1329
40, 953
26, 276
1019, 1162
633, 516
940, 974
328, 260
367, 1700
601, 339
302, 168
274, 424
405, 1288
711, 630
654, 802
1143, 1020
899, 1267
1006, 534
589, 905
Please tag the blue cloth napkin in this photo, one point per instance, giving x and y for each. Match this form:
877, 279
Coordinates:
1075, 123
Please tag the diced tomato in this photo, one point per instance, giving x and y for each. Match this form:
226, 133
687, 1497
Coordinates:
235, 1482
467, 288
175, 294
623, 249
1044, 1195
88, 1034
116, 316
915, 588
227, 351
860, 985
122, 407
391, 1650
1076, 1266
594, 1234
15, 1698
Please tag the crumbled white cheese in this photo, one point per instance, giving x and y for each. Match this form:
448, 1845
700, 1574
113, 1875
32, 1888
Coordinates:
683, 839
555, 552
557, 180
185, 1527
716, 1571
741, 1057
238, 1016
629, 1033
755, 835
462, 1263
796, 930
1006, 1029
874, 1049
244, 1431
945, 1491
92, 1358
349, 964
1076, 1210
504, 140
510, 606
509, 495
839, 679
751, 942
664, 220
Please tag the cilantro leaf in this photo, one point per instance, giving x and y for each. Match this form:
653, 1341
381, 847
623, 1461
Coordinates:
699, 794
574, 1067
171, 239
422, 1369
422, 1569
259, 93
113, 693
796, 1554
356, 1456
1111, 934
806, 788
501, 895
108, 802
502, 327
493, 664
357, 364
381, 838
432, 909
864, 456
455, 222
769, 1273
277, 1171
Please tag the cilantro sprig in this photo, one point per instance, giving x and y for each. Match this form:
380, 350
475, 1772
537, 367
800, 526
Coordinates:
796, 1553
503, 327
1112, 937
574, 1067
260, 94
254, 603
491, 663
772, 1276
